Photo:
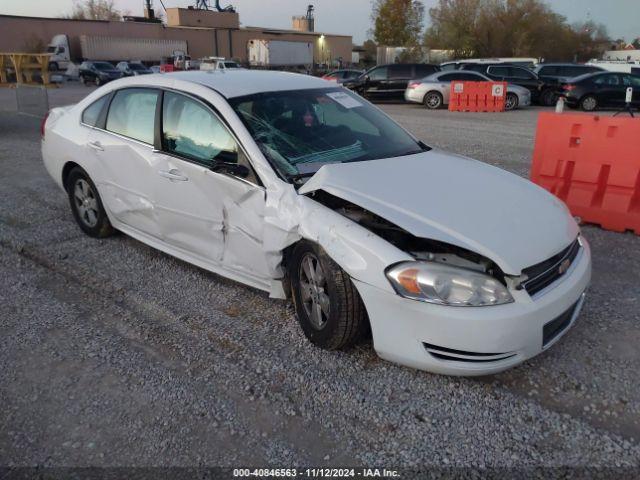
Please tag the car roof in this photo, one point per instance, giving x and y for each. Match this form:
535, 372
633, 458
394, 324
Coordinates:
238, 83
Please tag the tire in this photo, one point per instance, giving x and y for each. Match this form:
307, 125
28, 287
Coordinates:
98, 81
548, 98
53, 66
433, 100
589, 103
86, 204
84, 81
344, 320
511, 102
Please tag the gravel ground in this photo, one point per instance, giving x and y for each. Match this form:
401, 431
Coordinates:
113, 354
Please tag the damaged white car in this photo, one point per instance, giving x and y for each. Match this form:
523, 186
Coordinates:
301, 188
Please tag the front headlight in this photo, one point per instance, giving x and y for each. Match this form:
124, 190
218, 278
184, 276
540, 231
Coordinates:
444, 285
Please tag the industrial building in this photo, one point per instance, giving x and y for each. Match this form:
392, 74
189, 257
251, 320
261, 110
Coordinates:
207, 33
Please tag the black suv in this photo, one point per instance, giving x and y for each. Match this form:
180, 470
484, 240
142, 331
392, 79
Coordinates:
98, 73
541, 92
561, 72
389, 81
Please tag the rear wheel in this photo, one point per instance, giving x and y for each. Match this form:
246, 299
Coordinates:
86, 205
53, 66
433, 100
589, 103
548, 98
511, 102
328, 306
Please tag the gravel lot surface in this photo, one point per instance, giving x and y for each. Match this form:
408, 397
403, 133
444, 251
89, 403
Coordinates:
112, 353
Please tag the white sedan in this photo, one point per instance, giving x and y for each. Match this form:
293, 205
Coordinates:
298, 187
434, 91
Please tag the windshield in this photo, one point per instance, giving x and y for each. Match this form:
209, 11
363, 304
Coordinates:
103, 66
300, 131
231, 65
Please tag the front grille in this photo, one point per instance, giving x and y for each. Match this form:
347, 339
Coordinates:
543, 274
452, 355
555, 327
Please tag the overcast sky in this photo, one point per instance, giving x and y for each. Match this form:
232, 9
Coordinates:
622, 17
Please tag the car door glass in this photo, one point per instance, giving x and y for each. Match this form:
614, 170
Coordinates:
611, 80
132, 114
424, 70
448, 77
191, 130
91, 114
520, 73
378, 74
499, 71
400, 71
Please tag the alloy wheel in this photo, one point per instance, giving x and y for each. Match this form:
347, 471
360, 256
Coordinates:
313, 291
86, 203
510, 102
433, 100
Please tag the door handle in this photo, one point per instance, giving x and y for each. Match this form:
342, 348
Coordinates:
96, 146
173, 175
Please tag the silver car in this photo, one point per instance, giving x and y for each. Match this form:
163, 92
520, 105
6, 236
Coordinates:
433, 91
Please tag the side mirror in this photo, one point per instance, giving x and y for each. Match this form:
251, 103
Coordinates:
366, 79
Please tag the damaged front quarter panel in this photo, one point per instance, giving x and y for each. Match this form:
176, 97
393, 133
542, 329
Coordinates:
290, 217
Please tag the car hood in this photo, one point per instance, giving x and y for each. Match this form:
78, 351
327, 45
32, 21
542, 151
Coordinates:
459, 201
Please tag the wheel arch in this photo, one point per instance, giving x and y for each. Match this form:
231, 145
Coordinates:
66, 170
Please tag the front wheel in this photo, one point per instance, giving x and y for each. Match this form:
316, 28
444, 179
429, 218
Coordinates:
98, 81
589, 103
86, 205
328, 306
511, 102
433, 100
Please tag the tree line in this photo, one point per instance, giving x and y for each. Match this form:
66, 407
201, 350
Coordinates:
487, 28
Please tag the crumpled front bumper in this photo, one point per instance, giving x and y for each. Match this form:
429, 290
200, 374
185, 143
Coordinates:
474, 340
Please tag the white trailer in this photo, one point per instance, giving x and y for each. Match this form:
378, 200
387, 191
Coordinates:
279, 53
143, 49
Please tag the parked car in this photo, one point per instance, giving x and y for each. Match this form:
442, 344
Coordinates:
541, 92
556, 73
129, 69
604, 89
341, 76
561, 72
527, 62
304, 189
155, 69
98, 73
389, 81
434, 91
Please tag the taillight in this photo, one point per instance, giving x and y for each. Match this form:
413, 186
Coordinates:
569, 88
414, 84
43, 124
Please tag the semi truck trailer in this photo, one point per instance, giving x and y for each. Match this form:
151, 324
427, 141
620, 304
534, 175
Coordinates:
65, 50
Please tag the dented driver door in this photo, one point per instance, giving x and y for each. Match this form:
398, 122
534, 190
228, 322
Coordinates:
204, 211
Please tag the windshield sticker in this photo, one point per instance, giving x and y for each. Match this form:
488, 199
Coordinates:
344, 99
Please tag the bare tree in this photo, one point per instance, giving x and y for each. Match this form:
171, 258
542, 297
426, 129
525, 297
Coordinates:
94, 10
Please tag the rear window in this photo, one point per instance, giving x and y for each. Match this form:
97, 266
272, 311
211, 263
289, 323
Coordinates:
91, 114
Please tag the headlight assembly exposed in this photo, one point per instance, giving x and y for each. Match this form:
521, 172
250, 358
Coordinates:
444, 285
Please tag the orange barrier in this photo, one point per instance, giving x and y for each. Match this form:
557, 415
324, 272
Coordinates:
592, 163
167, 68
477, 96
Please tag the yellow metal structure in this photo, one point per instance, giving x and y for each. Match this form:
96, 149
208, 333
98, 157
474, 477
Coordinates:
25, 65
